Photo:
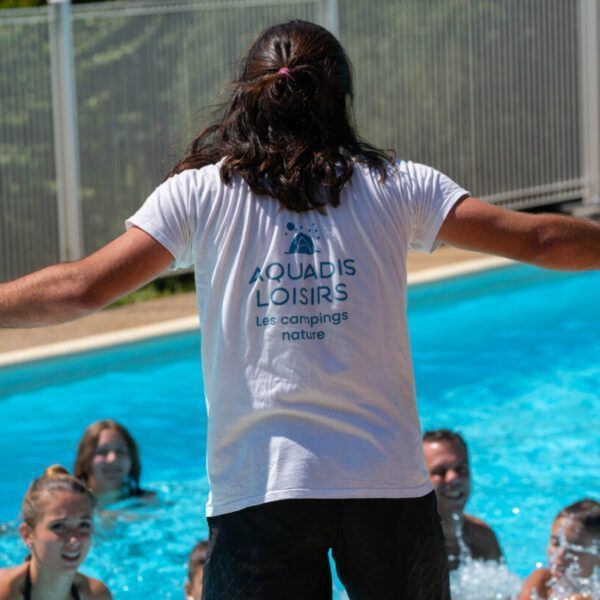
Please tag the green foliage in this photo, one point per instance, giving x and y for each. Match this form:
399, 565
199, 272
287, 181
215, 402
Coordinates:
21, 3
159, 288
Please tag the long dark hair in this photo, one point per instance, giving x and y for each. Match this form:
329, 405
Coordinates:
286, 127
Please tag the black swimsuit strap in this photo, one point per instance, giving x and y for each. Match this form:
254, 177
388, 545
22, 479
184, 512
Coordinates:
75, 593
27, 590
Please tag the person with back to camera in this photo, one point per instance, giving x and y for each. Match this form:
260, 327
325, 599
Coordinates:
57, 529
195, 574
573, 554
108, 462
299, 234
447, 460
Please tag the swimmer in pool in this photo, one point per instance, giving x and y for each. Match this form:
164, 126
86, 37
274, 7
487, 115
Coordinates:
57, 529
573, 555
193, 585
108, 462
447, 461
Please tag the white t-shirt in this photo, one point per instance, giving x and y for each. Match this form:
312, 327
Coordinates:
305, 351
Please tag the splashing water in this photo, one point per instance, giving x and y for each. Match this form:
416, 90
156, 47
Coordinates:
568, 546
570, 585
483, 580
489, 580
480, 579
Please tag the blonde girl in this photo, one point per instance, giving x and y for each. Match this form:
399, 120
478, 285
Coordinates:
57, 530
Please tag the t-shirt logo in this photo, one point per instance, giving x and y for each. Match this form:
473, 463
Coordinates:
302, 242
295, 287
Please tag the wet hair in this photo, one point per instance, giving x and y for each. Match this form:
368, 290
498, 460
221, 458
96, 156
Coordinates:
87, 448
287, 125
197, 558
586, 512
445, 435
54, 479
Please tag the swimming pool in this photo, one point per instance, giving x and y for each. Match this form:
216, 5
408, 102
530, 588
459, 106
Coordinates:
510, 357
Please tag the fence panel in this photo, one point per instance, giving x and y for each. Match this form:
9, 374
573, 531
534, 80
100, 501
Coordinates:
489, 92
144, 72
28, 216
486, 91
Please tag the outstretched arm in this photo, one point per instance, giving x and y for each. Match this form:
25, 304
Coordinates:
67, 291
550, 241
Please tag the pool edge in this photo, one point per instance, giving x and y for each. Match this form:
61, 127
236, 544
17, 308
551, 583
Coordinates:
182, 324
467, 267
99, 341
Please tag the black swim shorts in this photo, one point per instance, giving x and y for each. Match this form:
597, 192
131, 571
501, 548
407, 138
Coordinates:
383, 550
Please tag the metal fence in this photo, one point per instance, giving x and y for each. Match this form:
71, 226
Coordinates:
502, 96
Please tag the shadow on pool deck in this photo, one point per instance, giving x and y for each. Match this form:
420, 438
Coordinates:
165, 309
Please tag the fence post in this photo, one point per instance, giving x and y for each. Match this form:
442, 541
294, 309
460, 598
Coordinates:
66, 139
329, 16
589, 13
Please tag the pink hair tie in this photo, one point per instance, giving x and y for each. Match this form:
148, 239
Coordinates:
285, 72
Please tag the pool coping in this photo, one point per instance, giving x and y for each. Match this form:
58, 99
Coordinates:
184, 324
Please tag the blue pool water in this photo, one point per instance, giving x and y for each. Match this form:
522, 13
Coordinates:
511, 358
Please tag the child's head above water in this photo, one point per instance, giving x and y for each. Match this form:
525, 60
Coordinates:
56, 479
193, 585
108, 459
575, 540
57, 520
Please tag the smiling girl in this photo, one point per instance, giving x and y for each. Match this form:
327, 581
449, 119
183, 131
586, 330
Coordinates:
108, 462
57, 529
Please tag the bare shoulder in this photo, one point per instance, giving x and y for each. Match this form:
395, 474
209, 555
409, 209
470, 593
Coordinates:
481, 539
472, 520
12, 581
478, 524
92, 589
536, 582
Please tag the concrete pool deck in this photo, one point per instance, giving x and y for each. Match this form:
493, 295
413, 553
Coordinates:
178, 313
